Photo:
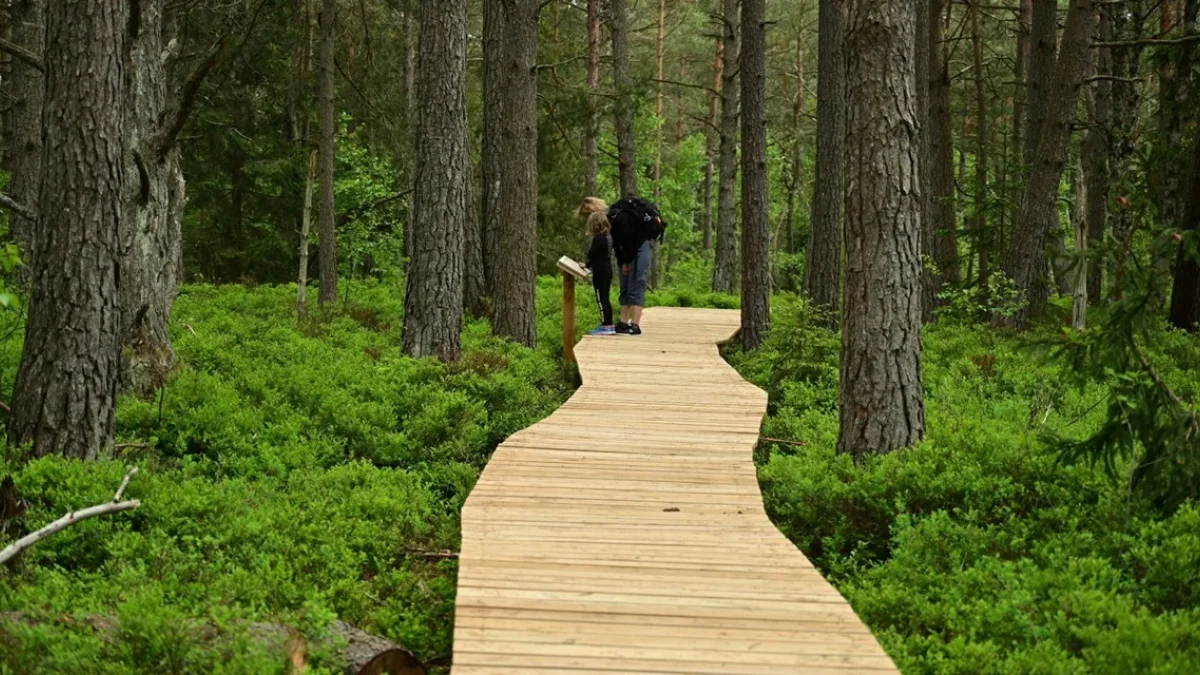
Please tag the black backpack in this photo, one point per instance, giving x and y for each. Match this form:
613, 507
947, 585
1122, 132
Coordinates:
642, 215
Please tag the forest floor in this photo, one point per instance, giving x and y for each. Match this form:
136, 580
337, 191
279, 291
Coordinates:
301, 471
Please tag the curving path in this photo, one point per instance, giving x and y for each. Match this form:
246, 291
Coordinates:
626, 533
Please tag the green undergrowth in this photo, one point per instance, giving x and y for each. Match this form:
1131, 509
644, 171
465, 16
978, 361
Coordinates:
978, 551
293, 471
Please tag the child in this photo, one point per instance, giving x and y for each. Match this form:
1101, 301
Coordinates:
599, 261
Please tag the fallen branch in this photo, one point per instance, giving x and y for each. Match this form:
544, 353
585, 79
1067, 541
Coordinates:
114, 506
780, 440
433, 555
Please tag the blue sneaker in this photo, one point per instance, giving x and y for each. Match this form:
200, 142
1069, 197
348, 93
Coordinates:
603, 330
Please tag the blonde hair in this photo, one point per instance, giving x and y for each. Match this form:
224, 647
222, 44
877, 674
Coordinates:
597, 223
591, 205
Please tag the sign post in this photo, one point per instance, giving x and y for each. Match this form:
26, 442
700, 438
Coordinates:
570, 272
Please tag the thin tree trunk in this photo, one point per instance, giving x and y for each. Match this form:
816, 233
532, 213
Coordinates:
325, 231
1095, 153
23, 123
625, 105
882, 401
921, 67
1185, 294
942, 224
1127, 26
797, 162
756, 235
433, 302
1079, 277
66, 387
510, 165
823, 266
474, 280
725, 262
979, 229
1026, 262
305, 227
656, 246
1020, 89
591, 151
1176, 78
712, 136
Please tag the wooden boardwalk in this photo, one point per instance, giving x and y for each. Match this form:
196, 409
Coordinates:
626, 532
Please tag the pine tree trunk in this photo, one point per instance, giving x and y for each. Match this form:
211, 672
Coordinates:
1176, 77
882, 401
1127, 25
624, 105
66, 387
725, 261
152, 234
1079, 277
510, 165
1185, 294
797, 160
1095, 151
756, 236
921, 67
591, 151
433, 302
979, 230
823, 265
1043, 51
943, 224
711, 138
23, 123
1026, 261
325, 229
305, 230
1020, 90
474, 282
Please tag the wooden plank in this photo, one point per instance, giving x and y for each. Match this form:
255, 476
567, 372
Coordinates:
626, 533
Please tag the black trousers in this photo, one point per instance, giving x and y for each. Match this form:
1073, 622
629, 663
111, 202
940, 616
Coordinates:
603, 286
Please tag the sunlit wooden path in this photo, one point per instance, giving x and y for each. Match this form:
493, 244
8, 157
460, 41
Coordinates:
626, 532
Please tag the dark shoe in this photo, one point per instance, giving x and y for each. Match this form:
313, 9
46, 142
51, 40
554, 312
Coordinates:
623, 328
635, 329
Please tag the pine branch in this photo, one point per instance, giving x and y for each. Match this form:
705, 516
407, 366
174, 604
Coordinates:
185, 103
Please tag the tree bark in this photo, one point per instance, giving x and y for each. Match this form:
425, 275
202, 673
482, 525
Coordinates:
823, 266
725, 261
942, 223
23, 123
1026, 260
65, 392
474, 282
882, 401
625, 105
1043, 50
433, 302
325, 230
797, 159
1095, 154
591, 151
756, 236
1185, 294
152, 232
979, 229
305, 228
922, 49
1127, 26
510, 164
711, 138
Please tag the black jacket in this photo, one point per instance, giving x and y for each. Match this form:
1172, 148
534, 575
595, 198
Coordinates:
627, 236
599, 257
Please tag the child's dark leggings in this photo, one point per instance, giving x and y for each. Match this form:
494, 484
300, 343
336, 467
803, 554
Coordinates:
603, 285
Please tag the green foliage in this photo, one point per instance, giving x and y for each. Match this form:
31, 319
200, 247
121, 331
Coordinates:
294, 470
1152, 424
978, 551
1000, 296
